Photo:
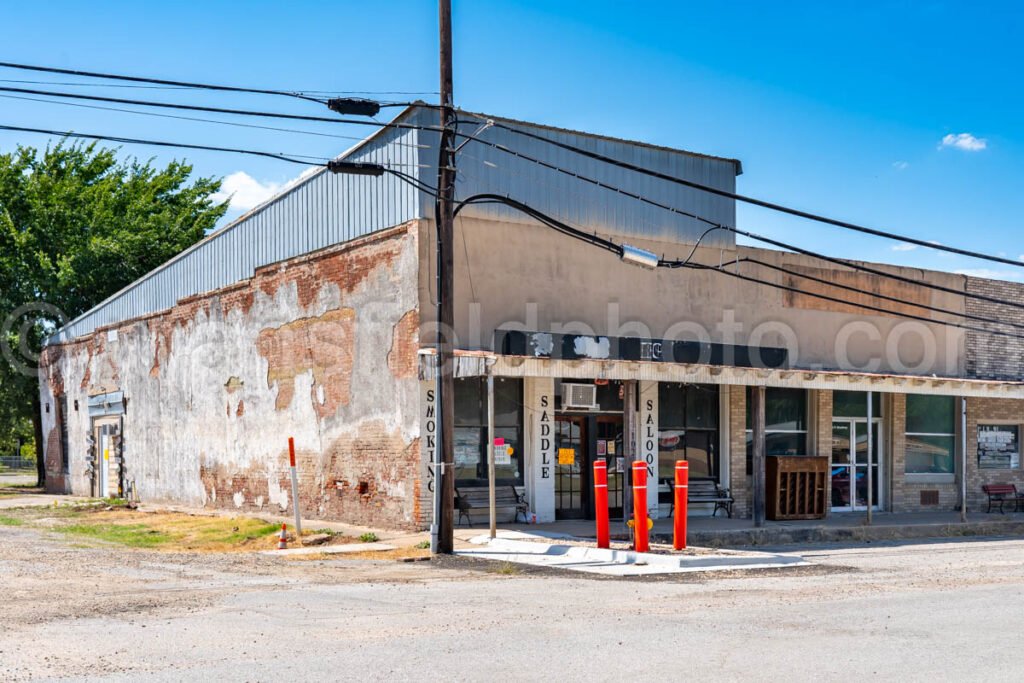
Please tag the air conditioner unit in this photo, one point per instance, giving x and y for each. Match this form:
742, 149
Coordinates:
579, 396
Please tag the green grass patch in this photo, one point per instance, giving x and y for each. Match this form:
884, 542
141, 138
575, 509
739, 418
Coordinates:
6, 520
369, 537
131, 535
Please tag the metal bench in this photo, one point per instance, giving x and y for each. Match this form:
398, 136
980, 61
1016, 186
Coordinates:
705, 490
1000, 494
506, 497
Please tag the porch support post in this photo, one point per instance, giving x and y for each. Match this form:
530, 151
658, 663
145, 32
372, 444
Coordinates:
490, 456
870, 456
963, 459
629, 437
757, 408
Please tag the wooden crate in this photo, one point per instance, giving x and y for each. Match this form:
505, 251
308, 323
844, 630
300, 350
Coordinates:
796, 487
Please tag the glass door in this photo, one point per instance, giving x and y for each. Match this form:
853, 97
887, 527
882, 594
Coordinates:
572, 482
851, 462
609, 447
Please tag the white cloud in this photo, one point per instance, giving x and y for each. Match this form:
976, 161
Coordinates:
904, 247
964, 141
900, 165
990, 274
245, 192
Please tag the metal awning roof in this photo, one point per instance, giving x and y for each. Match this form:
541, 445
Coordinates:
482, 363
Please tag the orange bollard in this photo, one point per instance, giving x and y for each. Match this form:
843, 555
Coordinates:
601, 502
681, 492
640, 507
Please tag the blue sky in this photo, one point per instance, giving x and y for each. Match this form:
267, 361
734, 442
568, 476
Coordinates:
839, 107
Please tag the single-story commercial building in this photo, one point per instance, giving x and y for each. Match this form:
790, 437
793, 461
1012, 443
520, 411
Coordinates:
312, 317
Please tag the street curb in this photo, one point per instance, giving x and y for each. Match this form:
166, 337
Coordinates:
826, 534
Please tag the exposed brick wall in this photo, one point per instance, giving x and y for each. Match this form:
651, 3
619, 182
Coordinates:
820, 430
739, 481
997, 411
991, 356
322, 347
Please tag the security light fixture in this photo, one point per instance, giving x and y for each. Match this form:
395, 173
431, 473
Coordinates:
639, 257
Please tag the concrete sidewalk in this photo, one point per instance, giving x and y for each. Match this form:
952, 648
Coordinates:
521, 548
723, 532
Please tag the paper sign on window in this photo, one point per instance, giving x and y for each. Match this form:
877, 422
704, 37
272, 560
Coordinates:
566, 456
502, 453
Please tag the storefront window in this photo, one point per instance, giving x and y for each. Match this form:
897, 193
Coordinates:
998, 446
471, 430
785, 413
688, 429
855, 404
931, 434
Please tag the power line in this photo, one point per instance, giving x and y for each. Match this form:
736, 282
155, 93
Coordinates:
320, 93
157, 81
909, 316
746, 233
761, 202
201, 120
548, 165
220, 110
838, 285
160, 143
617, 249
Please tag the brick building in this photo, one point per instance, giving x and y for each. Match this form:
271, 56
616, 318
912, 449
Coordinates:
310, 317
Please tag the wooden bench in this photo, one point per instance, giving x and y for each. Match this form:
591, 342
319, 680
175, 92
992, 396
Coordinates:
1001, 493
506, 497
705, 490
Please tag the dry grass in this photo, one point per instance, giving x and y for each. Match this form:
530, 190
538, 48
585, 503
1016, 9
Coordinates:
171, 531
406, 554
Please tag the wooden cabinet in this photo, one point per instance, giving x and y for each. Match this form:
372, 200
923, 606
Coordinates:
796, 487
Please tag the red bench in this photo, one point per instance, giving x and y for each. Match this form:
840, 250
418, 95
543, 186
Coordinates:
1001, 493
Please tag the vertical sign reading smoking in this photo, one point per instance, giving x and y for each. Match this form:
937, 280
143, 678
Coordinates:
428, 430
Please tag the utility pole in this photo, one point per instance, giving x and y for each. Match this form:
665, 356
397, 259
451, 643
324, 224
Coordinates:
443, 213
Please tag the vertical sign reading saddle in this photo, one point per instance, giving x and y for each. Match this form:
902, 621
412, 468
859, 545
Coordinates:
541, 461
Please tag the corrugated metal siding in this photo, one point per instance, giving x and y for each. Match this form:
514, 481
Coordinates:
485, 169
328, 209
323, 210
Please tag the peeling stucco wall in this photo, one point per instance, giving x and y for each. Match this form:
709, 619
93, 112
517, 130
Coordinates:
321, 348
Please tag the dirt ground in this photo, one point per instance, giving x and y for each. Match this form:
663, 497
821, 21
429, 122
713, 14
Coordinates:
922, 611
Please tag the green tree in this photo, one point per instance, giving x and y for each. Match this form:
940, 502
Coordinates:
77, 225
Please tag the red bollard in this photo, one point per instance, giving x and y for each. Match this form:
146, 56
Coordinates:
601, 503
681, 493
640, 507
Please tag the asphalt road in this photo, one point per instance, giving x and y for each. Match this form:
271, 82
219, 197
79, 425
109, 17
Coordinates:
932, 611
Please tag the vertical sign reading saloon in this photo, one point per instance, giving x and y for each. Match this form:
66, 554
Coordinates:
647, 440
